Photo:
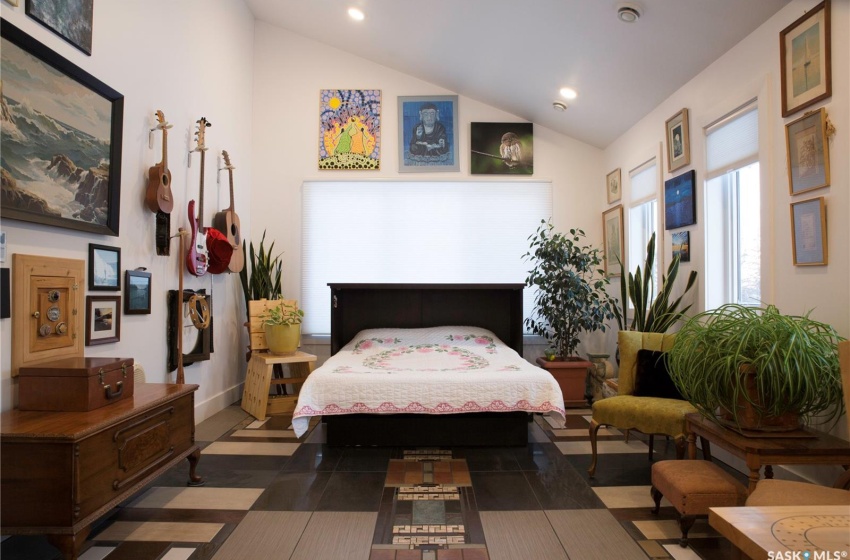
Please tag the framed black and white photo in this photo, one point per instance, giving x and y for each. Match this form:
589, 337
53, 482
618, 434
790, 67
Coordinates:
680, 201
678, 141
70, 19
104, 267
808, 232
103, 319
807, 150
137, 292
69, 180
805, 60
427, 133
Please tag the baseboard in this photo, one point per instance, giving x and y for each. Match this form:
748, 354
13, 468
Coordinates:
217, 403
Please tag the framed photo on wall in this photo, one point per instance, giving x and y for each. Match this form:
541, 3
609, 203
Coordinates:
103, 319
501, 148
680, 201
682, 245
612, 228
614, 186
807, 149
678, 141
427, 133
104, 267
805, 59
70, 19
808, 232
70, 180
137, 292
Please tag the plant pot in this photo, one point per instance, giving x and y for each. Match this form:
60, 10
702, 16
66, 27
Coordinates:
571, 375
750, 413
282, 339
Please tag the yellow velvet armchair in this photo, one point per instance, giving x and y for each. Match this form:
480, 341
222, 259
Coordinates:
649, 415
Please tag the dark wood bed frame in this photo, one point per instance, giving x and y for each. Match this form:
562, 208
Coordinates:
497, 307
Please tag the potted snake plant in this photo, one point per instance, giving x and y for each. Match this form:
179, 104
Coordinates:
570, 299
754, 368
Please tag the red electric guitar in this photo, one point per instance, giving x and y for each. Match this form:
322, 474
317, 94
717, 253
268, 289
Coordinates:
227, 222
197, 259
158, 196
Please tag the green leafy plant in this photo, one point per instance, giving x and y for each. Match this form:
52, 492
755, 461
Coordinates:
265, 278
652, 313
794, 360
570, 283
280, 315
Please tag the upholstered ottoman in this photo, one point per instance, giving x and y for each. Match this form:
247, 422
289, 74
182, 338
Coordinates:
693, 486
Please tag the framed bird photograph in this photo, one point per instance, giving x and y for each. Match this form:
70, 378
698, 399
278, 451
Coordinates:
502, 149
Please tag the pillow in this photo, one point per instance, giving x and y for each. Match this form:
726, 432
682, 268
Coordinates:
652, 378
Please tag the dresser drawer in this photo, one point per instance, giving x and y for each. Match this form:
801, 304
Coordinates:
115, 460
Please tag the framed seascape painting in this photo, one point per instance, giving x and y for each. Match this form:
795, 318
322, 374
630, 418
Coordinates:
678, 141
61, 140
612, 229
807, 149
805, 60
502, 149
680, 202
808, 232
350, 129
613, 186
427, 133
70, 19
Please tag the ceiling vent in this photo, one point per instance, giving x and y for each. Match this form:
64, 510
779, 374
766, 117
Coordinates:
559, 106
628, 12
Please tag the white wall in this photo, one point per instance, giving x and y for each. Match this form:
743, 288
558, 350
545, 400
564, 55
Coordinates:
289, 72
751, 68
190, 59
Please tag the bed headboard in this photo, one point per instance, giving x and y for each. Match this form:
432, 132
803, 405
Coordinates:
497, 307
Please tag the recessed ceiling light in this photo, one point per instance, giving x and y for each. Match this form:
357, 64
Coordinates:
568, 93
356, 14
559, 106
628, 12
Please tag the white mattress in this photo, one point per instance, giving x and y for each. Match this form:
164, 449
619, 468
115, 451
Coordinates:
439, 370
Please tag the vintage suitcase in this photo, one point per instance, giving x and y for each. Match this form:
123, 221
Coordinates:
75, 384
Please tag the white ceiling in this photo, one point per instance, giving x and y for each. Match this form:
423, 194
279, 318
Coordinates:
516, 54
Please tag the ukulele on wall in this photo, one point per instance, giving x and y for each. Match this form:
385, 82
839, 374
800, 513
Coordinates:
227, 222
197, 258
158, 196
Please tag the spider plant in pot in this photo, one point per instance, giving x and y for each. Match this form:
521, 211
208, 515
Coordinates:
753, 368
570, 299
282, 325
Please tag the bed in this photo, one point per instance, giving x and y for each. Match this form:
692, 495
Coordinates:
426, 365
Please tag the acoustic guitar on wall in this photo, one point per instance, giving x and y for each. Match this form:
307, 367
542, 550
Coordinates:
197, 259
158, 197
227, 222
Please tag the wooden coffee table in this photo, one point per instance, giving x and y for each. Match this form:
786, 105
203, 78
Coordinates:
809, 448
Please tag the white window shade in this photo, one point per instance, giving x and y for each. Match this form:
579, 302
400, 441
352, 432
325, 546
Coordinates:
644, 182
414, 232
732, 143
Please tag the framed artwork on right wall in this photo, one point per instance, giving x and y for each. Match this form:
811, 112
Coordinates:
806, 60
678, 141
680, 201
807, 148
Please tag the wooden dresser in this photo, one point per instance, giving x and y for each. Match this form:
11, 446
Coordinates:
61, 471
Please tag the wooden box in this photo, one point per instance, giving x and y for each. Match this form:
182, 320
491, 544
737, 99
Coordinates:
75, 384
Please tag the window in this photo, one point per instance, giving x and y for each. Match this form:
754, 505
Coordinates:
733, 210
416, 232
643, 216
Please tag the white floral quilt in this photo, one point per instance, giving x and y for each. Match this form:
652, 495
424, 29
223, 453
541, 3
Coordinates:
440, 370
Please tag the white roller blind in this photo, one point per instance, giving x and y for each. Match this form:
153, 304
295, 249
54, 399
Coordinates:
644, 181
414, 232
733, 142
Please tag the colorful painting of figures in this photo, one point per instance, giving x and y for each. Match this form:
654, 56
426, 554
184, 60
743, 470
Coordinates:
350, 130
502, 149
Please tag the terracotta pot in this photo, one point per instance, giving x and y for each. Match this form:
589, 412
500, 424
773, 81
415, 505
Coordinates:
571, 375
282, 339
752, 416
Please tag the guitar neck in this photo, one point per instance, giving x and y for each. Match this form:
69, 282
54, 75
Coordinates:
232, 200
164, 148
201, 202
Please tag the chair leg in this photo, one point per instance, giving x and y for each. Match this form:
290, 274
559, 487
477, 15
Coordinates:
680, 448
651, 444
656, 496
594, 427
685, 523
626, 436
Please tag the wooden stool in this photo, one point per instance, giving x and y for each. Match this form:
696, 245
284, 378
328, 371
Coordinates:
692, 487
260, 376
